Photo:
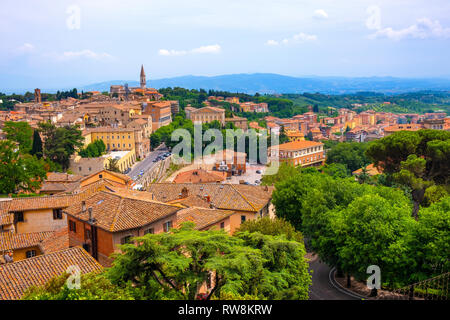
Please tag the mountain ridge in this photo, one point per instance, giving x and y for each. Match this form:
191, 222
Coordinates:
275, 83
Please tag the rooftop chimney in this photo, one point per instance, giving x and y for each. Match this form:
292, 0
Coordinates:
184, 192
91, 218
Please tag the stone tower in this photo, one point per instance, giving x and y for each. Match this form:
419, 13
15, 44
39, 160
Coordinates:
37, 95
143, 81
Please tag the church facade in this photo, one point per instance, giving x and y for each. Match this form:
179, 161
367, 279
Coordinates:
141, 93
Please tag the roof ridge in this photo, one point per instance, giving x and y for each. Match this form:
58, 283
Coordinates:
113, 224
42, 255
248, 201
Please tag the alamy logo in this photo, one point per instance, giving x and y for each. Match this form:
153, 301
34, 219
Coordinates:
74, 280
374, 281
73, 21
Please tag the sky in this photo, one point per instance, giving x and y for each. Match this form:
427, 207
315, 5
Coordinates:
59, 43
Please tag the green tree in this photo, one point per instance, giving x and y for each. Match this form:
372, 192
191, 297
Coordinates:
113, 165
272, 227
425, 250
19, 132
36, 149
60, 143
371, 224
175, 265
93, 150
411, 175
431, 145
350, 154
93, 286
19, 172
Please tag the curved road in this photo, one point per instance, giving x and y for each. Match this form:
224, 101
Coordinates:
321, 288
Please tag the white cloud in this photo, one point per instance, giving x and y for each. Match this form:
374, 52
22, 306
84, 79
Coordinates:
296, 38
302, 37
320, 14
215, 48
88, 54
423, 29
26, 47
272, 43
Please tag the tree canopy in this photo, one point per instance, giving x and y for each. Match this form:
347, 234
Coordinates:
19, 132
18, 172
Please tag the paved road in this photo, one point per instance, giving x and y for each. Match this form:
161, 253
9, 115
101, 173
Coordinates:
321, 288
147, 163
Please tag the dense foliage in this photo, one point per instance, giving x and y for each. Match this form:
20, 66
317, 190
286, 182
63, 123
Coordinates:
19, 132
416, 160
272, 227
19, 172
60, 143
350, 154
353, 225
93, 150
183, 263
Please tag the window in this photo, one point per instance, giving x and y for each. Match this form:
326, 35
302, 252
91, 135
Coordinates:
243, 219
100, 176
87, 234
19, 216
57, 214
222, 225
151, 231
72, 226
125, 240
31, 253
167, 226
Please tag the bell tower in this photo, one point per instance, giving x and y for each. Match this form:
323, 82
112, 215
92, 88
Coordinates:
143, 81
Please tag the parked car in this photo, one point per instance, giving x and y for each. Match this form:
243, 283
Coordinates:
127, 171
258, 171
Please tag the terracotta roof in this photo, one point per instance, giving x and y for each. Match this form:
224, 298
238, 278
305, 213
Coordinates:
49, 202
57, 241
116, 174
17, 277
371, 170
5, 216
11, 241
297, 145
198, 176
62, 177
118, 211
202, 217
222, 196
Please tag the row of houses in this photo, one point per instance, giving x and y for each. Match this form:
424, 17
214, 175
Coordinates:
41, 236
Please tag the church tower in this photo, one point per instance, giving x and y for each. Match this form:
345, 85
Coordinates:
143, 81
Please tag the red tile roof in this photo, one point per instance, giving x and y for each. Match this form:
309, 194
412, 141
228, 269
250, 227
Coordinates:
17, 277
202, 217
12, 241
119, 211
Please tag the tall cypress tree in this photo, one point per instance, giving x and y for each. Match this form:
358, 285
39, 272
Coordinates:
37, 145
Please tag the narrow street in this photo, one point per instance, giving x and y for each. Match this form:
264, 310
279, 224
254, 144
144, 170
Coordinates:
321, 288
147, 163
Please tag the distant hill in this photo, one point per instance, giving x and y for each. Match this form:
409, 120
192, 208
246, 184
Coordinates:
275, 83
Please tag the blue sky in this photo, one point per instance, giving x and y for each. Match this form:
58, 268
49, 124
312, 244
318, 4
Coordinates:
53, 44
